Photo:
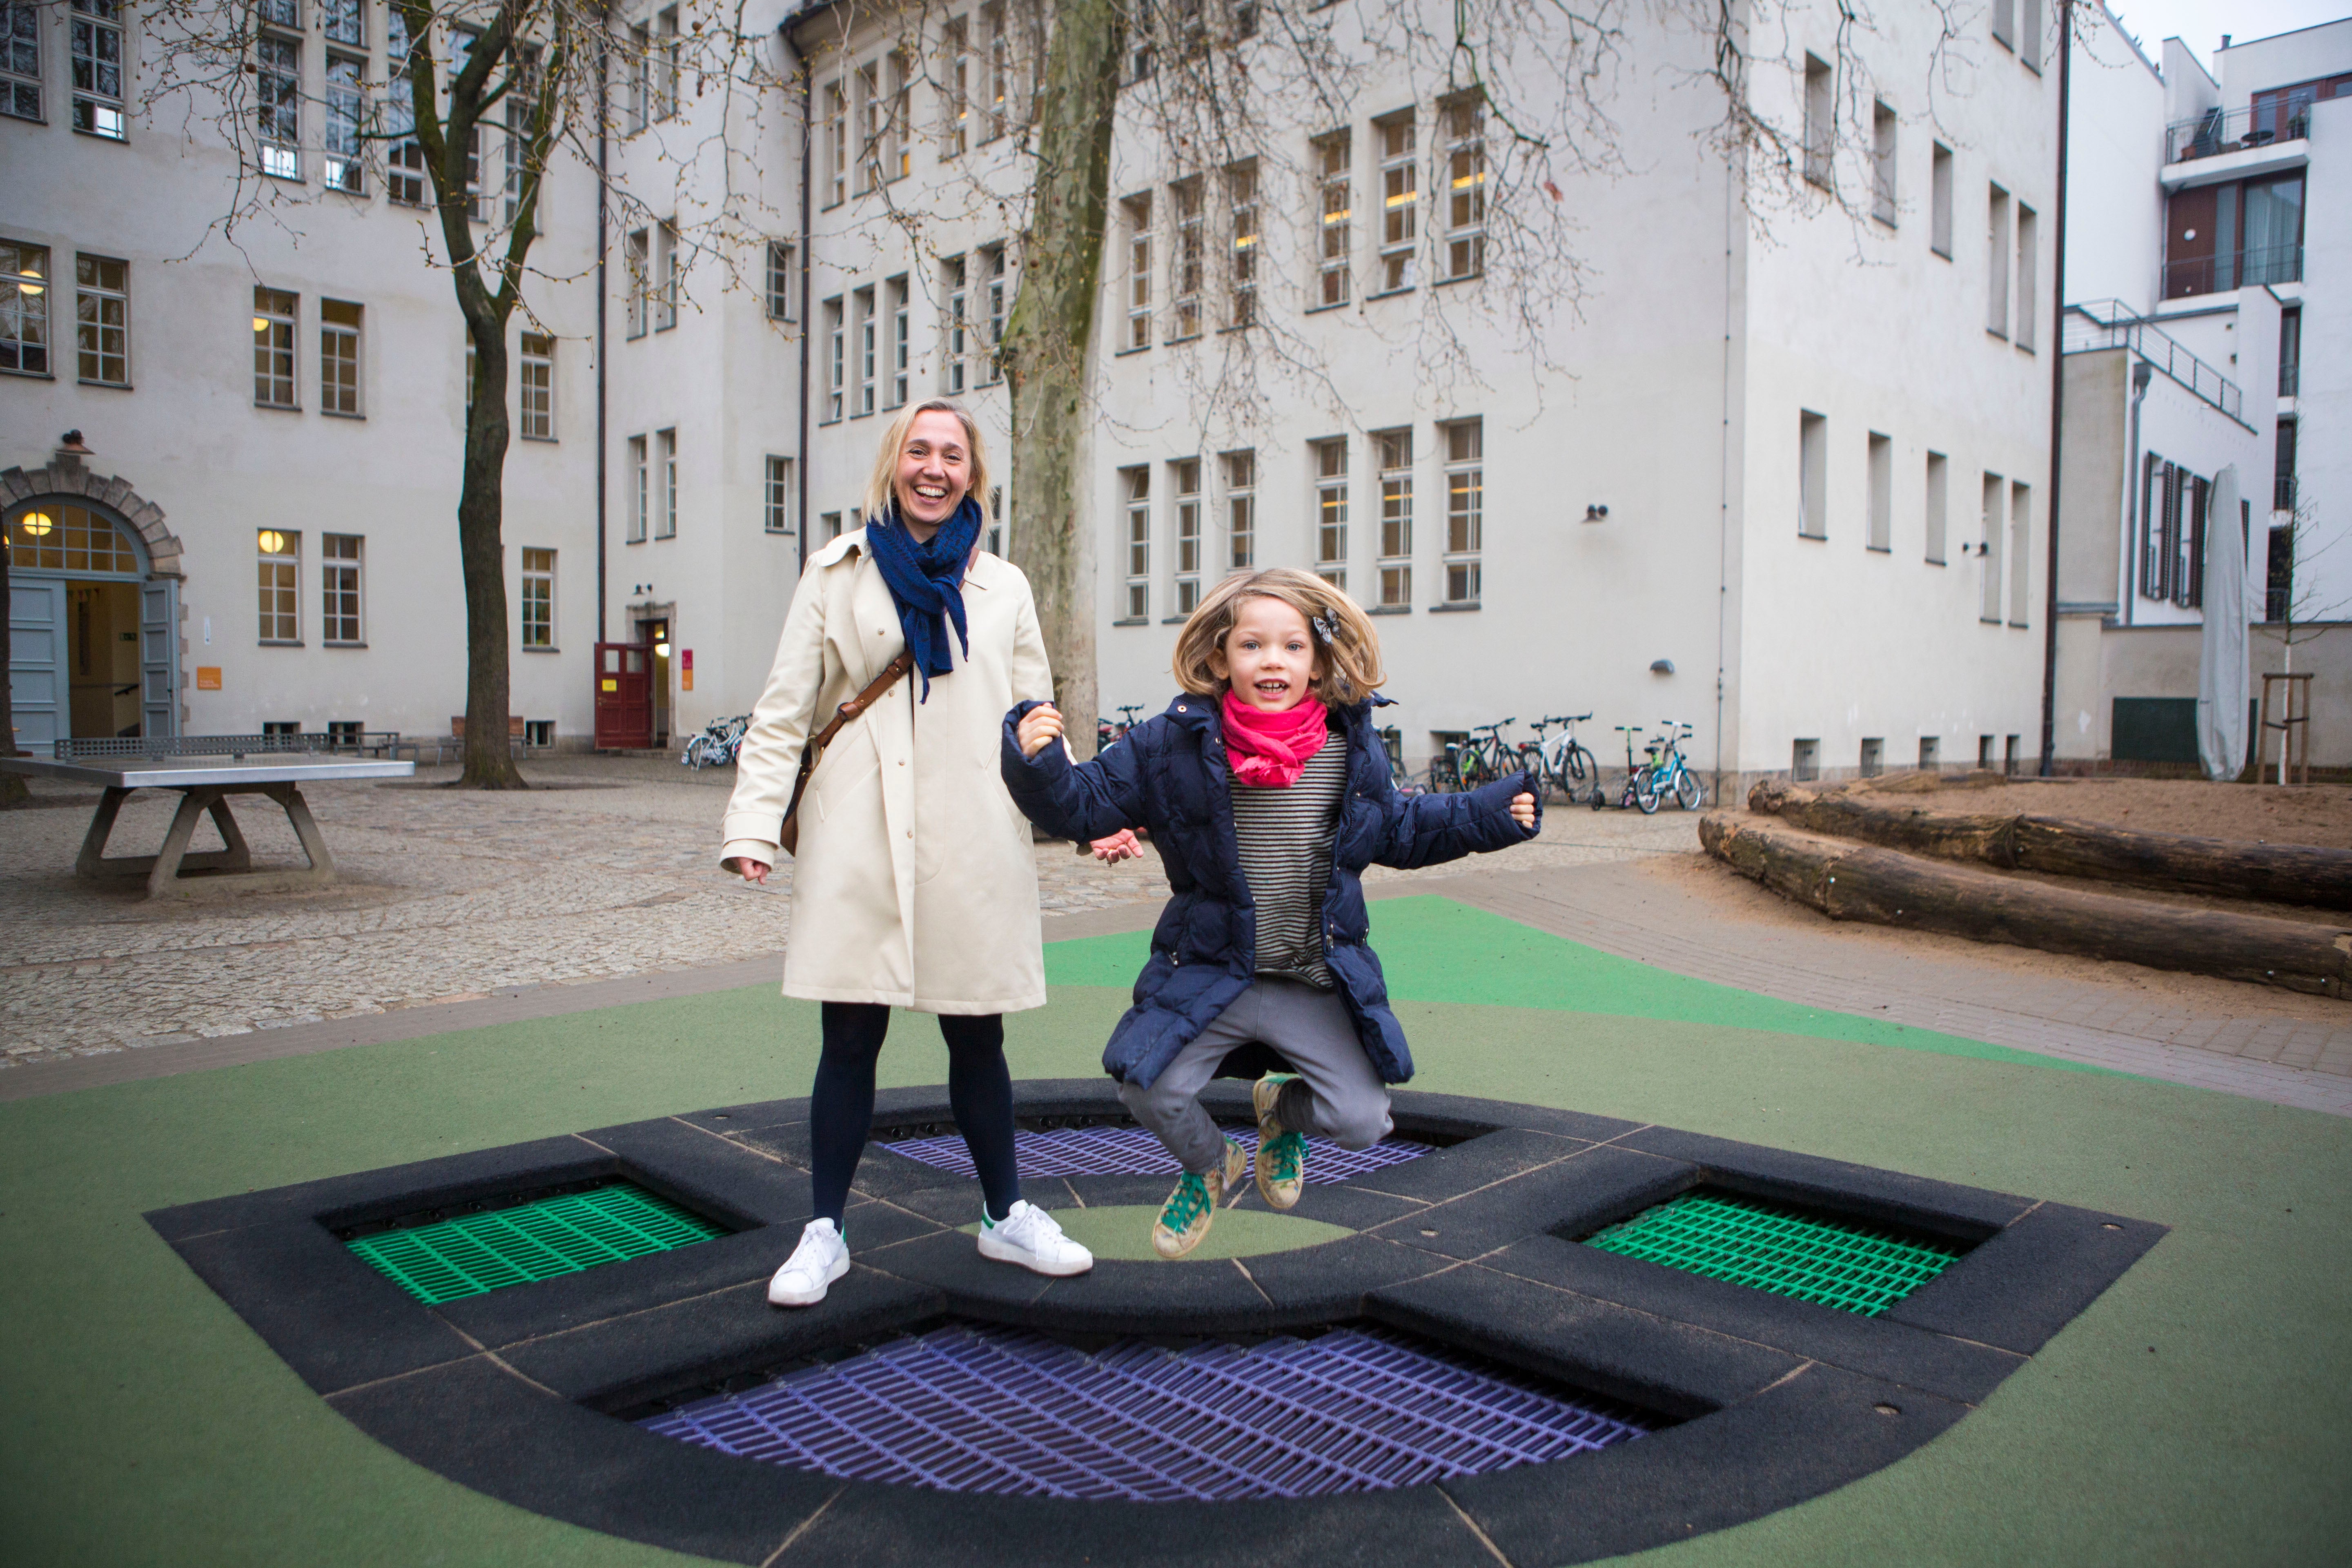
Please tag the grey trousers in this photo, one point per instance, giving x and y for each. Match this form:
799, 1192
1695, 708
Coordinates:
1339, 1096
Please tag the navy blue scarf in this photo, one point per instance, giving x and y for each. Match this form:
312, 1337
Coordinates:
927, 582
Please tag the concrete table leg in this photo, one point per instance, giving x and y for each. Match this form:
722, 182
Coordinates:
89, 863
318, 873
306, 828
165, 871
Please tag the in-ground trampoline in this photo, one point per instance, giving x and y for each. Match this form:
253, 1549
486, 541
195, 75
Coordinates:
1515, 1330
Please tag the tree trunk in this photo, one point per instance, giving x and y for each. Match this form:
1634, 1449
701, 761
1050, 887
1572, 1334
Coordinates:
1046, 348
481, 547
13, 790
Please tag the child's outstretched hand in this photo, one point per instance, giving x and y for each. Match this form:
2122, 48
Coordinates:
1038, 727
1120, 845
1523, 810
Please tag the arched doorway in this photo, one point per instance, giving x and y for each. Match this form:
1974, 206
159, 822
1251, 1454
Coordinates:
93, 645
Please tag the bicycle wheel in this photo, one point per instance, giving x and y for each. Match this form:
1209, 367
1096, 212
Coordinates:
1689, 791
1571, 767
1645, 793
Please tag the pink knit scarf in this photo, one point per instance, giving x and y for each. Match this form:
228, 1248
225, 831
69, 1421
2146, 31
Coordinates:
1270, 750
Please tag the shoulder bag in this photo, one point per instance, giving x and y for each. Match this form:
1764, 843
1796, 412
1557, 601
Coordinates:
788, 836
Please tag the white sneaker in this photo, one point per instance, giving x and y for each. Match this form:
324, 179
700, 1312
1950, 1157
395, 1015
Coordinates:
821, 1259
1029, 1237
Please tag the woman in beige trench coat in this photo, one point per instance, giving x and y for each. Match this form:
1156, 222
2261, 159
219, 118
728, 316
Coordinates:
914, 884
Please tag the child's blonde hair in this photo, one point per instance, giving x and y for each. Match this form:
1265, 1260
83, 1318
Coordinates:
1345, 642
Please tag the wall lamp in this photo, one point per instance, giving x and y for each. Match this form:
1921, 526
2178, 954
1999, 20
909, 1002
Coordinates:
1596, 514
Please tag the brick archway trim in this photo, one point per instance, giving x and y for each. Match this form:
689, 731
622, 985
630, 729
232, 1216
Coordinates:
68, 477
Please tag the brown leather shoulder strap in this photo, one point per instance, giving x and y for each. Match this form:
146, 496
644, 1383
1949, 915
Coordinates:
866, 699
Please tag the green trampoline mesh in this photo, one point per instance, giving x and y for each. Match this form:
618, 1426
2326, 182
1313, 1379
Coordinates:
1856, 1267
455, 1258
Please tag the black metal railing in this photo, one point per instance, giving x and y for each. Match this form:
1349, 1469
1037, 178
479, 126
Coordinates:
2246, 269
2217, 132
2283, 492
377, 741
2110, 324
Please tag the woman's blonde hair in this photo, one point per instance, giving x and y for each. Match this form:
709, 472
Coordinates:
880, 492
1345, 643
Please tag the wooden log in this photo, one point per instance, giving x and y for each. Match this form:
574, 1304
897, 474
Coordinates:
1849, 882
2068, 847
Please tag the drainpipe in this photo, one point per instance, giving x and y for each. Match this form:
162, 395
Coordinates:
2142, 374
2057, 402
603, 249
808, 113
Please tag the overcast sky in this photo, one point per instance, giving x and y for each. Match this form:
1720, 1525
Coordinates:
2200, 23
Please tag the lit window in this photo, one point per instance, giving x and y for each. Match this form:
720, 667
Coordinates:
339, 585
538, 387
54, 538
777, 514
102, 319
20, 61
1241, 224
273, 348
1465, 509
1136, 482
955, 83
97, 39
1465, 188
24, 308
280, 583
1332, 513
999, 69
1400, 202
339, 357
539, 599
1241, 510
665, 524
1187, 475
1396, 516
1331, 155
277, 105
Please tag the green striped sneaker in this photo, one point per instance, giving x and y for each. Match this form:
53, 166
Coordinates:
1281, 1155
1185, 1219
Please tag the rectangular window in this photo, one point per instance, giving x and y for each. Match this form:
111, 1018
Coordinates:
836, 143
1332, 513
954, 331
637, 263
640, 89
2011, 752
2157, 488
539, 600
102, 319
1820, 123
2290, 380
666, 454
991, 267
955, 87
1241, 227
273, 348
1805, 761
338, 589
1874, 756
538, 386
2004, 22
1989, 551
403, 157
776, 510
24, 308
1939, 202
1465, 187
1187, 475
665, 63
345, 21
2282, 497
281, 604
1984, 752
1184, 274
1883, 125
866, 331
666, 266
898, 151
97, 43
2278, 576
2021, 555
346, 124
836, 360
2028, 237
1241, 510
1813, 474
277, 104
828, 527
1138, 213
1400, 201
522, 94
1136, 485
1465, 509
781, 278
20, 61
640, 490
1882, 493
1332, 180
901, 340
870, 127
1996, 262
2196, 496
1930, 746
1938, 492
2029, 34
1395, 449
339, 357
999, 89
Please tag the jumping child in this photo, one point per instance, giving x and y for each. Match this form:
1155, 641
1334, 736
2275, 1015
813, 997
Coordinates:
1268, 789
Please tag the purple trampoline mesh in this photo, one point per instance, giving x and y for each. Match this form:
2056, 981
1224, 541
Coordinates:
1130, 1151
977, 1409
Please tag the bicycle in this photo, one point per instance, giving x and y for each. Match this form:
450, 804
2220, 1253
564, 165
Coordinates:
1107, 734
1668, 774
1564, 761
1482, 761
716, 747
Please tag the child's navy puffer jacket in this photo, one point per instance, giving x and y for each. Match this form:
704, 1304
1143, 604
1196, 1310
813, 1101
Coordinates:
1169, 776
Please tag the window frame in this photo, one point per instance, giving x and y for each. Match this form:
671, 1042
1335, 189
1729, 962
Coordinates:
781, 275
540, 360
665, 455
277, 318
23, 83
1245, 239
1136, 215
640, 500
1463, 558
867, 350
1393, 457
836, 331
1334, 182
277, 105
90, 301
1465, 165
280, 578
1239, 469
540, 574
20, 306
1136, 505
1186, 257
96, 109
1184, 482
1399, 187
899, 296
334, 332
1328, 467
342, 577
777, 497
342, 165
1886, 168
1813, 474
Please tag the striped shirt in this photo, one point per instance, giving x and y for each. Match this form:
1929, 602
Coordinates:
1286, 843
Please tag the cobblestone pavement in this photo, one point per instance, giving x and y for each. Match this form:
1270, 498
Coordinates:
448, 895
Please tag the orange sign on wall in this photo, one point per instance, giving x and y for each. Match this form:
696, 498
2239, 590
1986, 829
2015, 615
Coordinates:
208, 678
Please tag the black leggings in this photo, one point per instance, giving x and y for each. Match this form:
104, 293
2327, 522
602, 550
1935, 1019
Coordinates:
841, 1107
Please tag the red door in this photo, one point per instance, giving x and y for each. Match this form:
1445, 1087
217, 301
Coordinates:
625, 696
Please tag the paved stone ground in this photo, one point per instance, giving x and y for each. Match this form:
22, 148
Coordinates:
448, 896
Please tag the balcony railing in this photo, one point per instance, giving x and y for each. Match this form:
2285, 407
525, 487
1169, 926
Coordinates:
2238, 270
2108, 324
2214, 132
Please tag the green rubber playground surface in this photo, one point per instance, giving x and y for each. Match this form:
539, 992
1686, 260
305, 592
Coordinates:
476, 1253
1784, 1250
2199, 1412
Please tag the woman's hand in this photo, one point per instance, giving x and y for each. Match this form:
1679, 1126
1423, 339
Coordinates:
753, 870
1038, 728
1523, 810
1120, 845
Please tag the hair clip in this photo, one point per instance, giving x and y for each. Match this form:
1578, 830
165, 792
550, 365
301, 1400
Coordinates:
1325, 630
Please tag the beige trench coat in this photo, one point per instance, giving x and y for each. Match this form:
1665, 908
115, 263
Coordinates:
915, 883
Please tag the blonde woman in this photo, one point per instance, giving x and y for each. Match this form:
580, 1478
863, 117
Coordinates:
1266, 789
914, 883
